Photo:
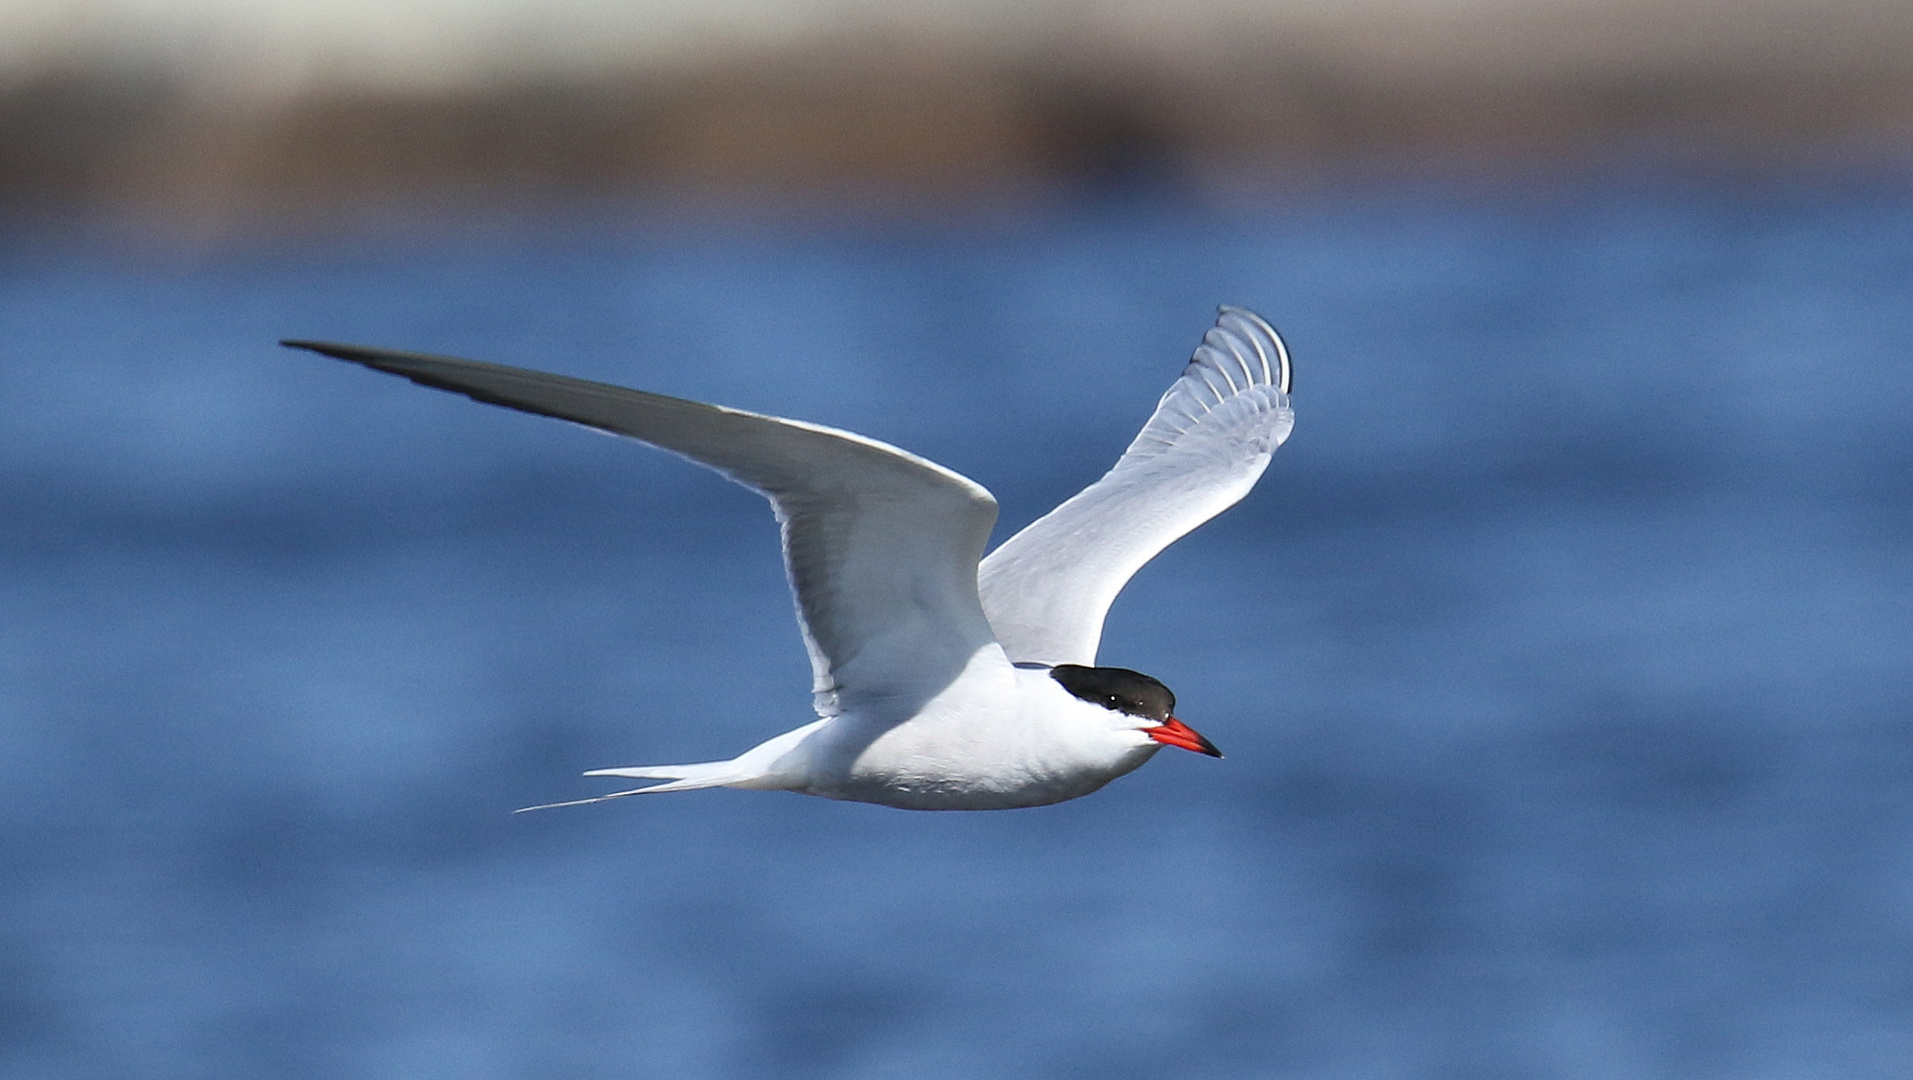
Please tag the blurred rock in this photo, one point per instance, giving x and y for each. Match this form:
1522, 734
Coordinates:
933, 121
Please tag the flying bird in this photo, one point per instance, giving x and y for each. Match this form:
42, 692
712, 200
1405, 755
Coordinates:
943, 680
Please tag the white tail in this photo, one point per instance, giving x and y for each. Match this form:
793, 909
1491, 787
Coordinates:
703, 774
758, 767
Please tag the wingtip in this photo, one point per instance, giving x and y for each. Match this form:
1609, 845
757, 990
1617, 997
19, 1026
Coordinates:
1285, 372
323, 348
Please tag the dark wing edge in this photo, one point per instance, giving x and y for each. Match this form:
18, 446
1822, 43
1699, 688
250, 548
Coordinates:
881, 546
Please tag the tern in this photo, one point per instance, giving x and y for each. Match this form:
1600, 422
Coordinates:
943, 680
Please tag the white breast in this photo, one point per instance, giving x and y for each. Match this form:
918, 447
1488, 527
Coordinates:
999, 737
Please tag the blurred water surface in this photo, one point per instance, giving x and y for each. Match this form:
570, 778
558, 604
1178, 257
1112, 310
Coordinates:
1561, 657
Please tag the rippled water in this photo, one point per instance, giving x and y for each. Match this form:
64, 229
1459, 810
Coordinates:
1561, 657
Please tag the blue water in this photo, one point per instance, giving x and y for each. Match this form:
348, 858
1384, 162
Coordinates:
1561, 658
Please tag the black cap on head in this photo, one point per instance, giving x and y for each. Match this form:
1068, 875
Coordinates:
1116, 688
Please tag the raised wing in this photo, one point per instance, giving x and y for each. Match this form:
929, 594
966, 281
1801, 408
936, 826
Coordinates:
881, 545
1047, 588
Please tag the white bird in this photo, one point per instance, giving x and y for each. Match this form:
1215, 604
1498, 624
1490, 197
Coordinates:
943, 680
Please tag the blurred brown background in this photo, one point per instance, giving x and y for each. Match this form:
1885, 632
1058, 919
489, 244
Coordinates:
220, 112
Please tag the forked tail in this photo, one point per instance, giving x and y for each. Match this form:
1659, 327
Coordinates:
703, 774
768, 765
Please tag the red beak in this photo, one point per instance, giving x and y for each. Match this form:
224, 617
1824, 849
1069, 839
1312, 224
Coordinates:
1174, 732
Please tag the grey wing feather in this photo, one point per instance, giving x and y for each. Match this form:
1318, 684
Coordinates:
1047, 589
881, 545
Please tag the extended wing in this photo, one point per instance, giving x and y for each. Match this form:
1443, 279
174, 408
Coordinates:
1047, 588
881, 545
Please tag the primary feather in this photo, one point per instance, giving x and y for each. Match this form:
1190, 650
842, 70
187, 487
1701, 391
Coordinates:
1047, 589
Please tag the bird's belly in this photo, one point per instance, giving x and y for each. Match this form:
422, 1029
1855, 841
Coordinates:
994, 774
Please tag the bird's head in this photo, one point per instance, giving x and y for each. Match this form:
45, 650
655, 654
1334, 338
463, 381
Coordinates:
1137, 701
